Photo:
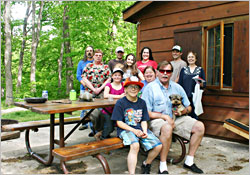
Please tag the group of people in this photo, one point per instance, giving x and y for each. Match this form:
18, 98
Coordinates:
143, 89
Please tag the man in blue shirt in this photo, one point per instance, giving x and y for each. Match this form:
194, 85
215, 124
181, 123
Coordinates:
88, 58
156, 95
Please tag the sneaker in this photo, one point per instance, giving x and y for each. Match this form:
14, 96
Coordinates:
98, 136
193, 168
91, 134
145, 169
83, 127
164, 172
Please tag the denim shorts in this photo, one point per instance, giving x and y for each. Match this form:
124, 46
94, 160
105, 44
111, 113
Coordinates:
148, 143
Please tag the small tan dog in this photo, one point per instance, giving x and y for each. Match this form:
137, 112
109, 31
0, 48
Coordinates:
177, 105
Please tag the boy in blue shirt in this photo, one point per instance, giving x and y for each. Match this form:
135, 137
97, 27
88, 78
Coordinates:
131, 116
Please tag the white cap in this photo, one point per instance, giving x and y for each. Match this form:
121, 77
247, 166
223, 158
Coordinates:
177, 47
117, 70
119, 49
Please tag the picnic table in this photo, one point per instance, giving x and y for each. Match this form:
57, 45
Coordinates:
85, 149
53, 108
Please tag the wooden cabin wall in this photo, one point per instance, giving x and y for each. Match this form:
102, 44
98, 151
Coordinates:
219, 107
158, 23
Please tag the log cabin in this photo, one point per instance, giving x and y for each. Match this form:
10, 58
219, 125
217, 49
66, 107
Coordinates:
218, 31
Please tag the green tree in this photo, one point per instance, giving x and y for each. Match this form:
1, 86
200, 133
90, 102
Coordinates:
96, 23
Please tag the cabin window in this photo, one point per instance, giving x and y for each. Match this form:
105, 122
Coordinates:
218, 57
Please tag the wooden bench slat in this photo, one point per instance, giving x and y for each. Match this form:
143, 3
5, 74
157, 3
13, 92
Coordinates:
87, 149
36, 124
10, 135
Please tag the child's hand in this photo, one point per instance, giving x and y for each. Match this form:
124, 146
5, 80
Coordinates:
138, 133
145, 135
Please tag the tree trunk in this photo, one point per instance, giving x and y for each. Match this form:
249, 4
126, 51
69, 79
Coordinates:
20, 68
35, 42
39, 26
7, 54
33, 48
69, 66
60, 60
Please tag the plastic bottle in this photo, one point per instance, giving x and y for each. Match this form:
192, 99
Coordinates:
72, 95
45, 94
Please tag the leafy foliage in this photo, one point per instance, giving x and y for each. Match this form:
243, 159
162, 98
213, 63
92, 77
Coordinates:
96, 23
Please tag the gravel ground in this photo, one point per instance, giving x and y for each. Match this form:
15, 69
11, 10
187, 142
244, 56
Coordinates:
214, 156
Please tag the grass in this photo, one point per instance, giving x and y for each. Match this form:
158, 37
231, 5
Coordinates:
24, 116
3, 106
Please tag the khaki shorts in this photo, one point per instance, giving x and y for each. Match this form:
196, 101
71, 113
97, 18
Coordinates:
183, 126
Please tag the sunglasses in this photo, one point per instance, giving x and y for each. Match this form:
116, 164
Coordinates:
165, 71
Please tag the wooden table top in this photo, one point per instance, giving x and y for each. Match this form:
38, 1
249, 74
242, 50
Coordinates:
52, 108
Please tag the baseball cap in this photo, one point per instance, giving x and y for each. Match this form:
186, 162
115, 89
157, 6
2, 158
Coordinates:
133, 80
119, 49
117, 70
177, 47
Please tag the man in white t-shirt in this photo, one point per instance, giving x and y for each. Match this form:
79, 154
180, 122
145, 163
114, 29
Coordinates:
177, 62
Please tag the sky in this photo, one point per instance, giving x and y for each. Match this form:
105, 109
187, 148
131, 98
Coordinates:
18, 11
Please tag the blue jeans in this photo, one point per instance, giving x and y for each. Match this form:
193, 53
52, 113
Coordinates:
82, 115
89, 123
108, 127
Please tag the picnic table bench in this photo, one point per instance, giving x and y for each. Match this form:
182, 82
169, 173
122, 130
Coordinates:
36, 124
88, 149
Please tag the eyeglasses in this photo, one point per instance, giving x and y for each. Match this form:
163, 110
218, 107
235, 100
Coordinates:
98, 55
165, 71
133, 87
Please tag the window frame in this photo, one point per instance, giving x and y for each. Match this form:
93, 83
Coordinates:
206, 29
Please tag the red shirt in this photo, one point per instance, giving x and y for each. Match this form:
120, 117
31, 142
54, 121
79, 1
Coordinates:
141, 66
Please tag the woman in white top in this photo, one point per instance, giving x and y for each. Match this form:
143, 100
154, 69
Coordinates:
130, 67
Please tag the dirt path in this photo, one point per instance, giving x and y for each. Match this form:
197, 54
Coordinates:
15, 109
